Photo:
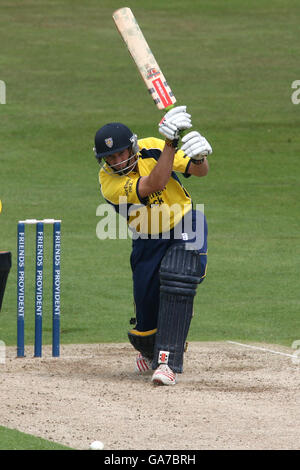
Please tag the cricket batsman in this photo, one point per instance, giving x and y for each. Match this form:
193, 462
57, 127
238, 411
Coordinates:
169, 237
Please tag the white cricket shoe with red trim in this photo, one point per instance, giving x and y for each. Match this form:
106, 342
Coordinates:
142, 364
164, 376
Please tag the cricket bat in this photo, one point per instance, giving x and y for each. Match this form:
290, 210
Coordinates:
145, 61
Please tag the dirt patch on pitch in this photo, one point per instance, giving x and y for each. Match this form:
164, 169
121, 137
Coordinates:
228, 397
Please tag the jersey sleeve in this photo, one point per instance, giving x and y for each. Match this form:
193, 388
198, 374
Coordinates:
114, 188
181, 163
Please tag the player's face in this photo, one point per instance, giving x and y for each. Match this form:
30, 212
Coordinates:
119, 161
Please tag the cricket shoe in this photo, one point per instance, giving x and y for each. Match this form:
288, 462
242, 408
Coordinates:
164, 376
142, 364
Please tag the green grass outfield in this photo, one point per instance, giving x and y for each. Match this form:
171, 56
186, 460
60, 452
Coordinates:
10, 439
67, 72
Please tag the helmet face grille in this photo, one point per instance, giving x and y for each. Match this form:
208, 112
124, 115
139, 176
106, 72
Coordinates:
114, 137
131, 162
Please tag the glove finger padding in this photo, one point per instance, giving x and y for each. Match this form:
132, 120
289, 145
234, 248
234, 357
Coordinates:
191, 145
182, 121
169, 125
174, 111
170, 129
174, 120
195, 145
198, 153
168, 132
191, 136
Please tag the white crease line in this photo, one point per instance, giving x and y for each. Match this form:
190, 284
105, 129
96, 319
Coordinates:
46, 358
261, 349
68, 357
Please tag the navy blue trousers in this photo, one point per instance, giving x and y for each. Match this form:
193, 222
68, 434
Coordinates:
145, 262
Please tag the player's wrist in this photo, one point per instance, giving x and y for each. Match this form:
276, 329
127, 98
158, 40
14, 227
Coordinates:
172, 143
197, 162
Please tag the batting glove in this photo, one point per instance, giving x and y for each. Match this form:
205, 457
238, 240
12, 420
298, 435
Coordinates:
195, 146
174, 121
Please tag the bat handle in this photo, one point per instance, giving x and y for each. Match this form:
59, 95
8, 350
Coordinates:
168, 108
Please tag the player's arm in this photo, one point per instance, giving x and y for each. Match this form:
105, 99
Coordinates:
199, 168
174, 121
159, 176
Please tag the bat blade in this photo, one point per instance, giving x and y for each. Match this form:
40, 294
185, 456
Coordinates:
145, 61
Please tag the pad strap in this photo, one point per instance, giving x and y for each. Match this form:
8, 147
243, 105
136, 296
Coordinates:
143, 341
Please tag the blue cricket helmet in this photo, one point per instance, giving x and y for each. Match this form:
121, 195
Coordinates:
114, 137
